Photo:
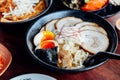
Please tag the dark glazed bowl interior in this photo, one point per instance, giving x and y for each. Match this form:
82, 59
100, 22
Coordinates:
48, 5
86, 16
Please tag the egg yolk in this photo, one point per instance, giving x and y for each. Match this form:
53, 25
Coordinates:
47, 44
47, 35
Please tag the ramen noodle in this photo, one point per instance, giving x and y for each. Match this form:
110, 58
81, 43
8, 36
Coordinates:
17, 10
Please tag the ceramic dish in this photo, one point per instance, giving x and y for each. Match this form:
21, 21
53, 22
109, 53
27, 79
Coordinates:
47, 5
34, 29
104, 12
33, 76
86, 5
5, 58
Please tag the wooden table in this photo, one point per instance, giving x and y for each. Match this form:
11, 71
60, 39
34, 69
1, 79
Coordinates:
22, 63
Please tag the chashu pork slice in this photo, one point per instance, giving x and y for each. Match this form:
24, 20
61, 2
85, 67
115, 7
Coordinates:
50, 26
67, 22
94, 28
42, 29
82, 24
93, 41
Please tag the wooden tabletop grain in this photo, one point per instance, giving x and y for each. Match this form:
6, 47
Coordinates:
23, 63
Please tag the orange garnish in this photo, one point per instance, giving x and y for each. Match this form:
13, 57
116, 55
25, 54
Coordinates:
47, 35
94, 5
47, 44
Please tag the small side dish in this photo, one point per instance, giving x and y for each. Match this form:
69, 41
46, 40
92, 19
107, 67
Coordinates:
85, 5
5, 59
67, 42
17, 10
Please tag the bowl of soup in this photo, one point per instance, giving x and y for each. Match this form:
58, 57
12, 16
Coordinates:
63, 40
22, 11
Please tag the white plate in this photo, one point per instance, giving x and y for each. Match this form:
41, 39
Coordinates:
33, 76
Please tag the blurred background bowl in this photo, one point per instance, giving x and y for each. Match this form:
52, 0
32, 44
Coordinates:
24, 23
117, 25
86, 16
85, 5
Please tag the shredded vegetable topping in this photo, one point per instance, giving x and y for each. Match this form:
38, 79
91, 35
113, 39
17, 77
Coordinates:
22, 7
16, 10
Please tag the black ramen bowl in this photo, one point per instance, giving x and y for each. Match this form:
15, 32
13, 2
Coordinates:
21, 23
86, 16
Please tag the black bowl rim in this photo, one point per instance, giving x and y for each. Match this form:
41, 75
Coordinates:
55, 68
112, 14
30, 19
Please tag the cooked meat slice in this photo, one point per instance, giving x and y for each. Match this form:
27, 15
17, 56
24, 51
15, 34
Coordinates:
94, 28
50, 26
82, 24
93, 41
37, 39
67, 22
